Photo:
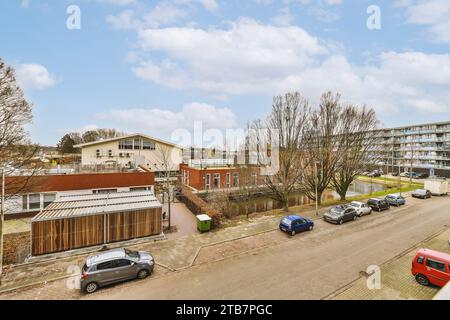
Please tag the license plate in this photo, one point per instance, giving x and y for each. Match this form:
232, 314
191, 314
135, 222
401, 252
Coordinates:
284, 229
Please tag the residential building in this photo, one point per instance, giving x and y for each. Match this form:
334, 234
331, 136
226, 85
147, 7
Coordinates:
133, 151
425, 147
28, 195
216, 175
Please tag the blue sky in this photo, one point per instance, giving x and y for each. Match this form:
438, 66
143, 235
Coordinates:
157, 66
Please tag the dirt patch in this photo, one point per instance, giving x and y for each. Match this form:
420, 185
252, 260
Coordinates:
228, 249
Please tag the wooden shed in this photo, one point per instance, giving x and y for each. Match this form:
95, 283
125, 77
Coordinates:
79, 221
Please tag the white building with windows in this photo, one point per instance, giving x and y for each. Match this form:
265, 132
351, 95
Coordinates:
133, 151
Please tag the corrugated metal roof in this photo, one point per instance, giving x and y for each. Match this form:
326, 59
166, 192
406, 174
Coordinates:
72, 206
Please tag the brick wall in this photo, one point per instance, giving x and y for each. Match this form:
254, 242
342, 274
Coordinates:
16, 248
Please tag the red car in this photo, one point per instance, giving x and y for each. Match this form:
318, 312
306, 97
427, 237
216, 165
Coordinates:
431, 267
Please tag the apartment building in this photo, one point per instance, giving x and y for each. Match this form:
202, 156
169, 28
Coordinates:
425, 147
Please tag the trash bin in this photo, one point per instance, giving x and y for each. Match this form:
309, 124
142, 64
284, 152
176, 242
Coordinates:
204, 223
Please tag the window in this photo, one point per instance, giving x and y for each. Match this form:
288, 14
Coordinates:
253, 179
25, 202
122, 263
34, 201
105, 265
236, 180
137, 144
110, 153
207, 181
126, 144
437, 265
420, 259
148, 145
216, 180
48, 199
228, 180
104, 191
97, 153
138, 189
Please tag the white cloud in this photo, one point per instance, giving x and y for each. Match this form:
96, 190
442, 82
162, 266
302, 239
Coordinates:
162, 122
34, 76
25, 4
248, 57
433, 14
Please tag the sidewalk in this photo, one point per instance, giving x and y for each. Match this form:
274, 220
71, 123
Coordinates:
397, 282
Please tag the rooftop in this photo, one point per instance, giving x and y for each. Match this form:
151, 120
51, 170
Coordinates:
73, 206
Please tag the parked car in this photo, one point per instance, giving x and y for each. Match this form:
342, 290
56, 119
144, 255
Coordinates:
361, 208
378, 204
422, 175
340, 214
294, 224
421, 193
115, 266
395, 200
374, 174
404, 174
394, 174
431, 267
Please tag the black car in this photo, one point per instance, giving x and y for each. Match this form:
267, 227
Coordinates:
340, 214
378, 204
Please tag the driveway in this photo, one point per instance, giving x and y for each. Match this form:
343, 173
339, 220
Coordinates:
183, 219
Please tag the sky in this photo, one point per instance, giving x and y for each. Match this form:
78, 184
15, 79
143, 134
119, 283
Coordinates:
155, 67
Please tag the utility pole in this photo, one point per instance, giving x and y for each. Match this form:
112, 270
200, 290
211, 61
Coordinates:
2, 219
315, 183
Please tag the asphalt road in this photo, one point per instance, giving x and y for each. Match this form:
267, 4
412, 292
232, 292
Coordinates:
309, 266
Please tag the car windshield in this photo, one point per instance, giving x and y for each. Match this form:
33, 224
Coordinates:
286, 221
132, 254
420, 191
337, 209
354, 205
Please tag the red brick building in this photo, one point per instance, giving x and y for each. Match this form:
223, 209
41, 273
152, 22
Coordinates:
217, 178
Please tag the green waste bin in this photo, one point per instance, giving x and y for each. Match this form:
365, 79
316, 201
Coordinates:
204, 223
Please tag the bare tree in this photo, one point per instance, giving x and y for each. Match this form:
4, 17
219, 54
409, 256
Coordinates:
285, 128
321, 147
358, 142
15, 149
165, 167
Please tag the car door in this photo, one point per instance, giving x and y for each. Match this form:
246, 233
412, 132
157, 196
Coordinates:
301, 225
436, 272
366, 209
124, 269
104, 273
348, 215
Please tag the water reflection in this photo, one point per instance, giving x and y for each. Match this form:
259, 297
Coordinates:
262, 204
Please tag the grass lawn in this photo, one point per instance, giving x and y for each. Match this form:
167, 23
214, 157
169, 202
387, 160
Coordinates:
390, 188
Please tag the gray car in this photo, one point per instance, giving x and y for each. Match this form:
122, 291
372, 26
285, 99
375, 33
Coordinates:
340, 214
115, 266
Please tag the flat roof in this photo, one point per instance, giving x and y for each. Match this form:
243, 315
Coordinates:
75, 206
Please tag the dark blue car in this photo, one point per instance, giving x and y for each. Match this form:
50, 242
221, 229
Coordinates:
294, 224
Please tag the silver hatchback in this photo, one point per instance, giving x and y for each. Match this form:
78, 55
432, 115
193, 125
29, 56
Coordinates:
114, 266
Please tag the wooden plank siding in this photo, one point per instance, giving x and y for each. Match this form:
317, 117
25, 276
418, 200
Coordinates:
75, 233
133, 225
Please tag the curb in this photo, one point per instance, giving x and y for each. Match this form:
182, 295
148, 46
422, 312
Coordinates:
401, 254
2, 291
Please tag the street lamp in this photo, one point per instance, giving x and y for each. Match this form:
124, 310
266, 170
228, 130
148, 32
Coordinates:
316, 187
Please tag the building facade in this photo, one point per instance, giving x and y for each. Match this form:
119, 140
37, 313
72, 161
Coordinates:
424, 147
27, 196
133, 151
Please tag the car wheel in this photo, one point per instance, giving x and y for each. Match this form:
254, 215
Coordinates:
293, 233
341, 221
355, 217
310, 228
91, 287
142, 274
421, 279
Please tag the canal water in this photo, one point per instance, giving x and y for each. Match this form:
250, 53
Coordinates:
261, 204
